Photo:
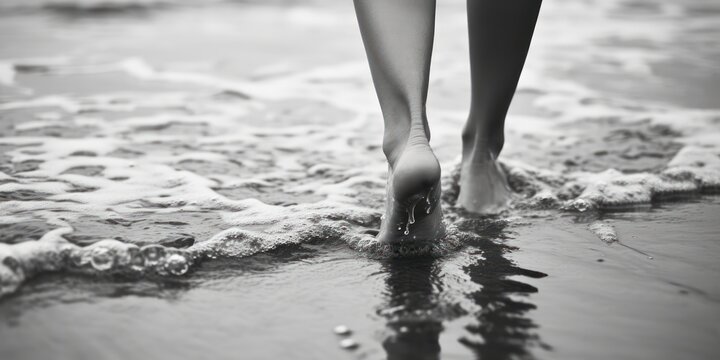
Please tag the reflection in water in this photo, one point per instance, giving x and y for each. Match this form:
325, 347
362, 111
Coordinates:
415, 311
48, 290
413, 284
502, 322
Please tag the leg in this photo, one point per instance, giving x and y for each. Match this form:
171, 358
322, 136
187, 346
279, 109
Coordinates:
398, 38
500, 33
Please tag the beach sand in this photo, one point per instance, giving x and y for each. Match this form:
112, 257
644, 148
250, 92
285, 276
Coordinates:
245, 138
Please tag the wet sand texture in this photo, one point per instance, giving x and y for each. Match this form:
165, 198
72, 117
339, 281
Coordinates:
194, 179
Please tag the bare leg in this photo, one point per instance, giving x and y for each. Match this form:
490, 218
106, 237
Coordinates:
398, 38
500, 33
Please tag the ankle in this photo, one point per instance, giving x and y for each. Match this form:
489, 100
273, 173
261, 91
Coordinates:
481, 143
397, 139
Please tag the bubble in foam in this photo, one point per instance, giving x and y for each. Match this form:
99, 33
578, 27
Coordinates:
153, 254
80, 257
12, 263
176, 264
580, 205
137, 263
11, 274
130, 257
102, 258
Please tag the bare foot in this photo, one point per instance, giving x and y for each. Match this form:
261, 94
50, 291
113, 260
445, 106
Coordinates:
413, 215
483, 186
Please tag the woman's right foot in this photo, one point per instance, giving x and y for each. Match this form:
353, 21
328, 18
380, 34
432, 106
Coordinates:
483, 186
413, 216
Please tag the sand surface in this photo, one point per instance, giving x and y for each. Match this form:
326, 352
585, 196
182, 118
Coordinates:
245, 138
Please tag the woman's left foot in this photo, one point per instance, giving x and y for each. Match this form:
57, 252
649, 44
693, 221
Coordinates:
413, 215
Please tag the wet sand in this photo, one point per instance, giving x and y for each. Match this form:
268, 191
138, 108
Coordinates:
540, 286
246, 145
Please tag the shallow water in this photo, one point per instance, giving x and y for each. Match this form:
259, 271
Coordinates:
538, 286
252, 155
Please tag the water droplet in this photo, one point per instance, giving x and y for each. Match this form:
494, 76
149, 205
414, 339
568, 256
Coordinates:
411, 214
411, 217
102, 258
176, 264
342, 330
152, 254
348, 344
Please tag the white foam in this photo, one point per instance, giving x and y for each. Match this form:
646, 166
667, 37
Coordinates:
21, 261
53, 253
7, 73
605, 231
